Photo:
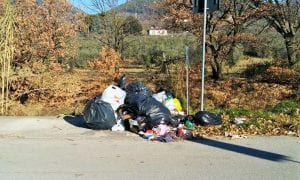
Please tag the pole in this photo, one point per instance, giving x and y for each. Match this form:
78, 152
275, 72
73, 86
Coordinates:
203, 56
187, 63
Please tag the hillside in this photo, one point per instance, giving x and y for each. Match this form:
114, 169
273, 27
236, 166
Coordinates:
142, 9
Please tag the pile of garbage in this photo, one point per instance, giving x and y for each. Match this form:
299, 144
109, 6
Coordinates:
135, 108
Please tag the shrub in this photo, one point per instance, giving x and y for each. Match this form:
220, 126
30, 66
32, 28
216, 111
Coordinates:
108, 63
256, 70
296, 67
236, 55
43, 31
287, 107
150, 49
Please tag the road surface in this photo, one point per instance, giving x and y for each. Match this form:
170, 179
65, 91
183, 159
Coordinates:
38, 148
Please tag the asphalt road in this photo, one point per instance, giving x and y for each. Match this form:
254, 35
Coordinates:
62, 148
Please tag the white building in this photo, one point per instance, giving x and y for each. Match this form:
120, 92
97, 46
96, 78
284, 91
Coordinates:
158, 32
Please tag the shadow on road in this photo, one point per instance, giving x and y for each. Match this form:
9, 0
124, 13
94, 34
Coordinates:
77, 121
244, 150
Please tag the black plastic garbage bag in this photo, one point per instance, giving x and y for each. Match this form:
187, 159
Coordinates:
138, 88
147, 106
99, 114
122, 82
205, 118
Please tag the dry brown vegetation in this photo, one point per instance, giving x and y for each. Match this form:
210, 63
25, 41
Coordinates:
59, 91
45, 32
42, 82
53, 89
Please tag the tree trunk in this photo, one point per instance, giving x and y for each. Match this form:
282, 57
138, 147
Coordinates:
216, 68
290, 43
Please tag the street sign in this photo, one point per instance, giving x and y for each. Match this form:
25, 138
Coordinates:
212, 5
187, 65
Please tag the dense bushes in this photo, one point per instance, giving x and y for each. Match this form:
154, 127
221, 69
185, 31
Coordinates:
45, 34
152, 49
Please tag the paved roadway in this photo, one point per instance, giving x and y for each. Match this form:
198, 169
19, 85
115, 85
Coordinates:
38, 148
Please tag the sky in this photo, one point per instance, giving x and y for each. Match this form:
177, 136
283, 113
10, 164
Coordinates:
85, 4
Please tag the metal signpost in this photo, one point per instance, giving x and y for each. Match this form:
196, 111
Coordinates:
187, 64
200, 6
203, 56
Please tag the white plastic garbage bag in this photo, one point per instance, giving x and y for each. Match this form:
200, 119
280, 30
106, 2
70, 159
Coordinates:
160, 97
118, 127
114, 95
169, 103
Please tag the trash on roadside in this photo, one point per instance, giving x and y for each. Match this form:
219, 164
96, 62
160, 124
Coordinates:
138, 88
119, 126
114, 95
162, 129
177, 103
205, 118
99, 114
160, 96
169, 103
180, 131
189, 124
239, 120
148, 107
235, 136
166, 98
168, 137
149, 134
122, 82
188, 121
157, 117
188, 134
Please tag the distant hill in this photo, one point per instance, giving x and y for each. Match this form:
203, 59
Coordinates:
143, 10
139, 8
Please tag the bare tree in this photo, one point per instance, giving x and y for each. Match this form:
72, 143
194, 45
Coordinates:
225, 28
284, 17
112, 27
7, 20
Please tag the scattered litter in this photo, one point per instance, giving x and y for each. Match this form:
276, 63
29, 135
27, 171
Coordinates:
118, 127
239, 120
169, 137
239, 137
188, 121
291, 133
169, 103
180, 130
149, 134
234, 136
162, 129
177, 103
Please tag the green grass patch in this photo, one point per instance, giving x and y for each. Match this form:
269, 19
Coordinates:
154, 49
89, 49
286, 107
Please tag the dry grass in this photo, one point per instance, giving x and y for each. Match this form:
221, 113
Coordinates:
242, 64
57, 93
60, 91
